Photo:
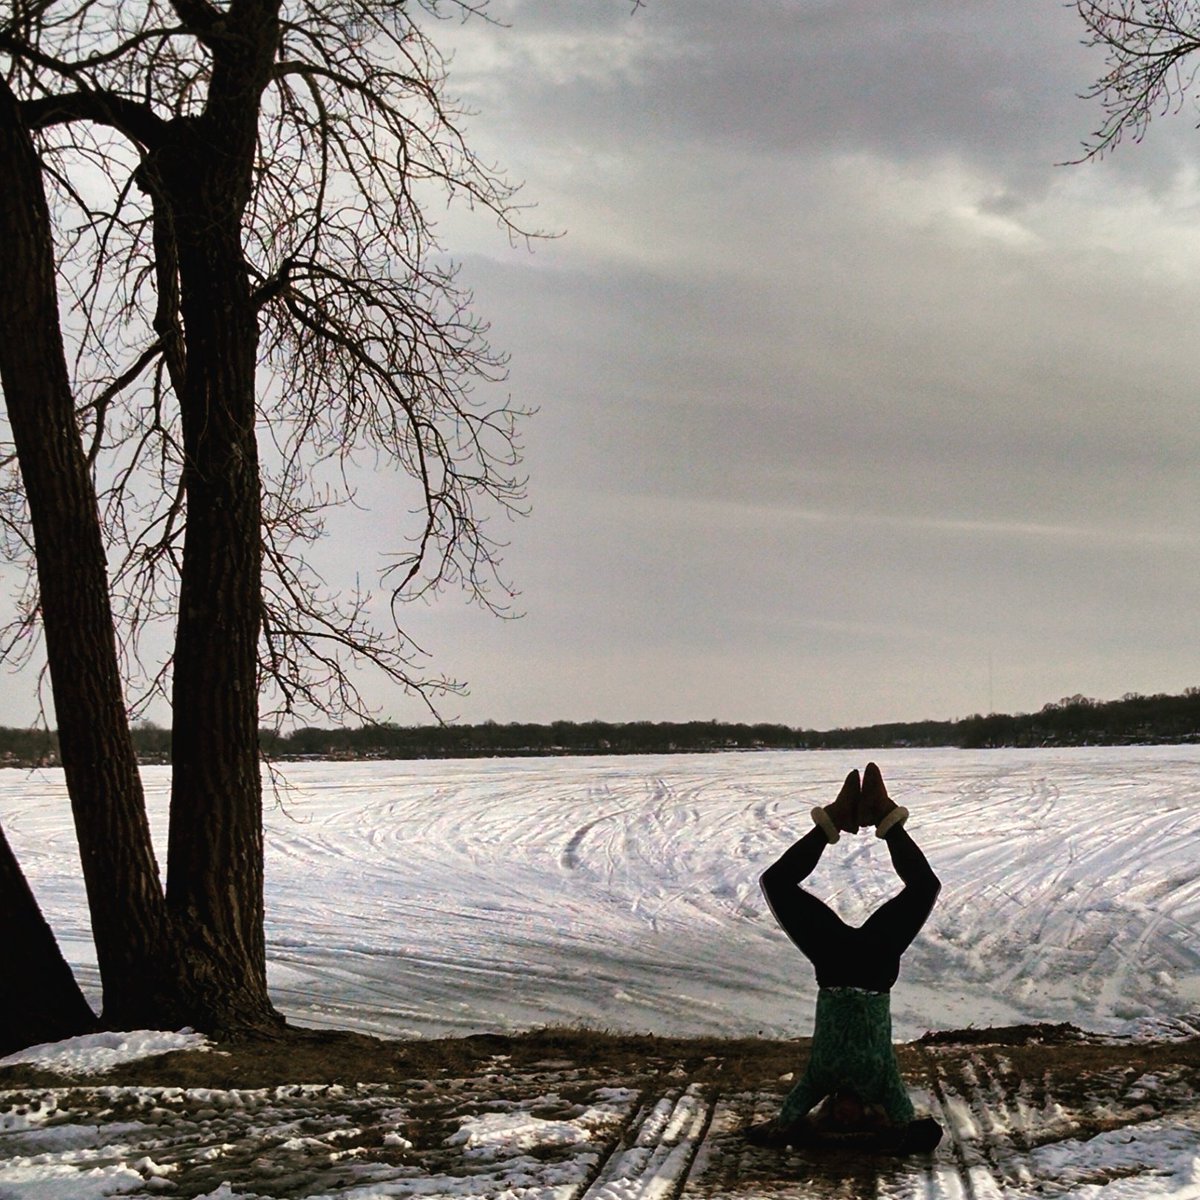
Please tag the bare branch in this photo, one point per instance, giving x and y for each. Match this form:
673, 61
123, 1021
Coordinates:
1147, 44
100, 404
132, 118
73, 68
369, 344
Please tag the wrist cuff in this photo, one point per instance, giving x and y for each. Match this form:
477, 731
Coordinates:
896, 817
822, 819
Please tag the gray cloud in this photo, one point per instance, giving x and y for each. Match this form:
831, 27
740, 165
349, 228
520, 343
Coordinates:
846, 388
841, 376
997, 84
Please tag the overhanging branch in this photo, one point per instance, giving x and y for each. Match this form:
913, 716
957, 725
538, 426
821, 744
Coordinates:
130, 117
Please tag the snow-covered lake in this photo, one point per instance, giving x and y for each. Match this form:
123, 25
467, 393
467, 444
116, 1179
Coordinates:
438, 897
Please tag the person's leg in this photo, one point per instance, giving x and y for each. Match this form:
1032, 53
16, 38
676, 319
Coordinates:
894, 924
811, 924
821, 935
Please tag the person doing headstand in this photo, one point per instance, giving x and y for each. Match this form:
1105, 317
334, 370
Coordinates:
852, 1072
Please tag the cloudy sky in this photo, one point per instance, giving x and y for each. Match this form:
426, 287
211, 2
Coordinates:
854, 406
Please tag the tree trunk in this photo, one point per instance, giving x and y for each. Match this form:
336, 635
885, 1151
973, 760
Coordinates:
215, 854
121, 875
210, 965
39, 998
215, 857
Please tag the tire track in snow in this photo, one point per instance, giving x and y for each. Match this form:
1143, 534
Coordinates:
991, 1124
653, 1158
959, 1128
571, 858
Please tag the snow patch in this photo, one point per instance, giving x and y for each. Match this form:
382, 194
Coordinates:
94, 1053
1138, 1162
495, 1135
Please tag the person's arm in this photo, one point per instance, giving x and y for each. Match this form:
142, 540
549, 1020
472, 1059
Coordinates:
800, 1101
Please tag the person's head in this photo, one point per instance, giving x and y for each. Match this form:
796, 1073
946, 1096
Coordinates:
846, 1109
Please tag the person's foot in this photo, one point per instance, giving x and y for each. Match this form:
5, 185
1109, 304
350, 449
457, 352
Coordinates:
842, 815
875, 806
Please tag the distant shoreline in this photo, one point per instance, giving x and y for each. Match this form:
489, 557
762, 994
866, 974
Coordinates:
1133, 720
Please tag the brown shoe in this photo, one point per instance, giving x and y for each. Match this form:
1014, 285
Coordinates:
842, 814
875, 806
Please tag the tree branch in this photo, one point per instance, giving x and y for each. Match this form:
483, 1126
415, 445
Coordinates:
70, 69
136, 120
200, 17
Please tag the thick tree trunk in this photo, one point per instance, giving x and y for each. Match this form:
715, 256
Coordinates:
215, 853
39, 998
120, 872
215, 856
211, 965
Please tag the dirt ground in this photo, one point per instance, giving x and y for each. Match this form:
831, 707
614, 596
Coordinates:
679, 1108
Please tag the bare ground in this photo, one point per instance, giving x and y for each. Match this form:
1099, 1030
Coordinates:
314, 1110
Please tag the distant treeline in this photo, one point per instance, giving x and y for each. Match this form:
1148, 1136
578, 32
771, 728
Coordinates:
1072, 721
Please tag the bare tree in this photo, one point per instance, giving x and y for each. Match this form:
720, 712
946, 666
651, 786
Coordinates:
128, 915
1149, 46
254, 297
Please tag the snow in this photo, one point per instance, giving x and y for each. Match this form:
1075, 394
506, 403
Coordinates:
331, 1143
491, 1135
96, 1052
1125, 1153
427, 898
430, 898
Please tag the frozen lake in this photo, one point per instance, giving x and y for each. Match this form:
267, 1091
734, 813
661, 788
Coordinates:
451, 897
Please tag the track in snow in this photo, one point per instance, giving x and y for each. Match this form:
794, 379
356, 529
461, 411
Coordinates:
1082, 1120
437, 897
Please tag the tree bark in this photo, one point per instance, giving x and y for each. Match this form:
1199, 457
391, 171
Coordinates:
215, 855
203, 174
120, 872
